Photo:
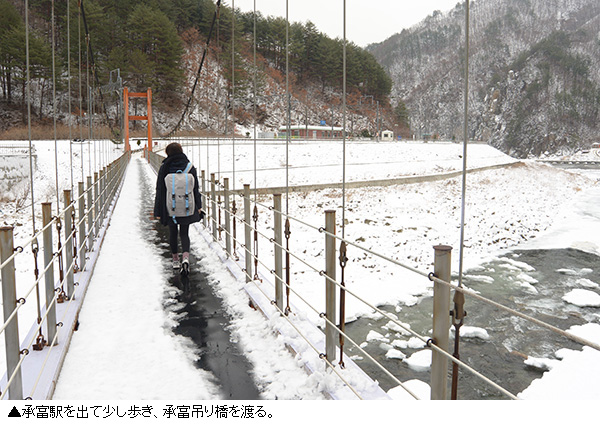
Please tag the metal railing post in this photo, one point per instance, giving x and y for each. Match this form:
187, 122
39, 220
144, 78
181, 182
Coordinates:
109, 184
90, 218
9, 301
49, 275
96, 205
69, 243
103, 194
81, 248
247, 233
81, 217
227, 216
114, 178
331, 336
213, 206
100, 199
205, 202
277, 251
441, 322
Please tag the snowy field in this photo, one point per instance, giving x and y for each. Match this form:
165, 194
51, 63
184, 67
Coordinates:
518, 206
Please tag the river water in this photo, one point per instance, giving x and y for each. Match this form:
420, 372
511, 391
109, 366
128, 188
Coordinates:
533, 281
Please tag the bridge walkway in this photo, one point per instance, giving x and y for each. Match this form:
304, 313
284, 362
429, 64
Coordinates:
146, 332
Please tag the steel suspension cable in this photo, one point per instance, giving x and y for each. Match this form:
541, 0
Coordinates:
254, 103
226, 112
35, 245
205, 51
343, 251
92, 116
28, 83
89, 101
93, 62
458, 313
80, 112
52, 23
233, 85
287, 231
255, 214
69, 89
288, 106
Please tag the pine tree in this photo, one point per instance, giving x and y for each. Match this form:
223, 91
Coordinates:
155, 50
10, 26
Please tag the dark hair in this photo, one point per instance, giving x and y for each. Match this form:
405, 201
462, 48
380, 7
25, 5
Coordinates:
173, 148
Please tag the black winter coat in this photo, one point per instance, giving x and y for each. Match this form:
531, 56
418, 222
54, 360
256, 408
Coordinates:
172, 164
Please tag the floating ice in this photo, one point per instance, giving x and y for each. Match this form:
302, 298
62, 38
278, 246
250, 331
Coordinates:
569, 272
519, 264
586, 283
419, 361
542, 364
393, 326
582, 298
375, 336
395, 354
471, 332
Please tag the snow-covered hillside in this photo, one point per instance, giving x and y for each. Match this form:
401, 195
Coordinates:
534, 78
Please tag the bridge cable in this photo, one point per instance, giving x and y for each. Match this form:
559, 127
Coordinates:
287, 231
255, 215
35, 245
89, 105
53, 38
458, 314
93, 63
69, 90
28, 78
58, 222
80, 79
187, 105
219, 96
232, 103
343, 257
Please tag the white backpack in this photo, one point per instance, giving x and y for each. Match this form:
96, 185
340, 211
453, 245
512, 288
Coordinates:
180, 193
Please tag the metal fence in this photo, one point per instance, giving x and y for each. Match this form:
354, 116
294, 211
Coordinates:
68, 240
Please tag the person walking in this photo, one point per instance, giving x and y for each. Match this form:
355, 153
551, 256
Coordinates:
177, 162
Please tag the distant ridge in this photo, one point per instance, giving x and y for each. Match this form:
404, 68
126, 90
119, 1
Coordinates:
534, 74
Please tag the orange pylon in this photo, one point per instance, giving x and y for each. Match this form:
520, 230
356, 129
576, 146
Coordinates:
148, 96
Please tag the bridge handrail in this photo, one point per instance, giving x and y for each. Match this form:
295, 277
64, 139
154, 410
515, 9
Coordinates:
102, 193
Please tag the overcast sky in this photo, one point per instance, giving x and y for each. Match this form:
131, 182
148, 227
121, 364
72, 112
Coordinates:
367, 21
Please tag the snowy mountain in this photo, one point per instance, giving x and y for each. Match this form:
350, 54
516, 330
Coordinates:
534, 74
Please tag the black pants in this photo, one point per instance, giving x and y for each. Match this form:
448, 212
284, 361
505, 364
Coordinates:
183, 234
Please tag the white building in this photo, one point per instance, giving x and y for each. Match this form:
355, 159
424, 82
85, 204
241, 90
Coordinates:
387, 135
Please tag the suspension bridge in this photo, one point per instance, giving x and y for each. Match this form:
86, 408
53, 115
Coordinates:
253, 236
